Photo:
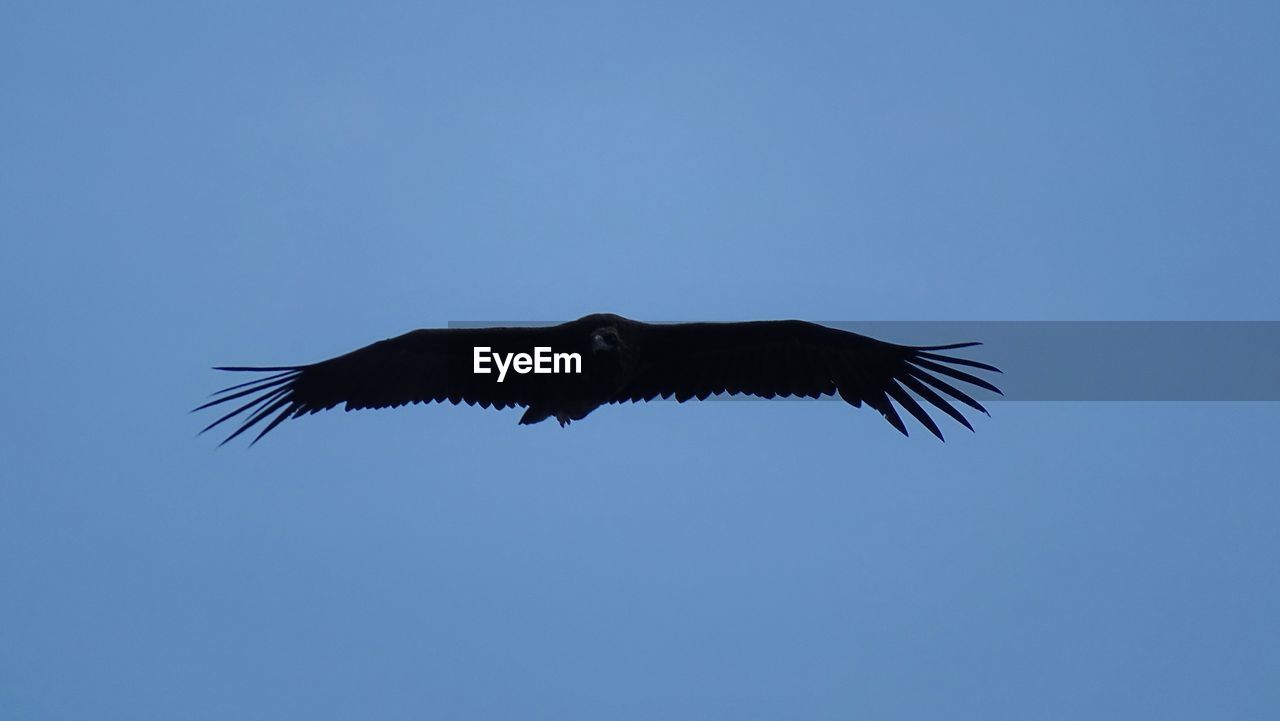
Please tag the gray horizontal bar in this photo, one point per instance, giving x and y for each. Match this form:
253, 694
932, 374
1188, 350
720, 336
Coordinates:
1096, 360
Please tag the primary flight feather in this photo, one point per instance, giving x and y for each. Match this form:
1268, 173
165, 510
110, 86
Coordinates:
618, 360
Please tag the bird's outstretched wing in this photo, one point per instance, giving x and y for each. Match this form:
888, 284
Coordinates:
796, 358
418, 367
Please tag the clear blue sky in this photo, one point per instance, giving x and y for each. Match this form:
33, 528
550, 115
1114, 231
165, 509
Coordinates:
191, 184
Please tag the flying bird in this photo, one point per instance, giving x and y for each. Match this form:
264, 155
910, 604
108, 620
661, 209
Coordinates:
566, 371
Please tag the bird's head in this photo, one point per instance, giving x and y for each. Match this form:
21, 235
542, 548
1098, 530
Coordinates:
605, 340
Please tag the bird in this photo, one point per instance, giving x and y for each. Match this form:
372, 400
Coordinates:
568, 370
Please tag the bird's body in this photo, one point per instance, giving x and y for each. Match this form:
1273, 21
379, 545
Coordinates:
618, 360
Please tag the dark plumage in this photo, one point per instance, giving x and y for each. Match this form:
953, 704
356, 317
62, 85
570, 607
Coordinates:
621, 360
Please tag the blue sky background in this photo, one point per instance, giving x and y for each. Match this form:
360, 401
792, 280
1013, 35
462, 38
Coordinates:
193, 184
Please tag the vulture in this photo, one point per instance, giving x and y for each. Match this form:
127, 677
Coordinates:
568, 370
